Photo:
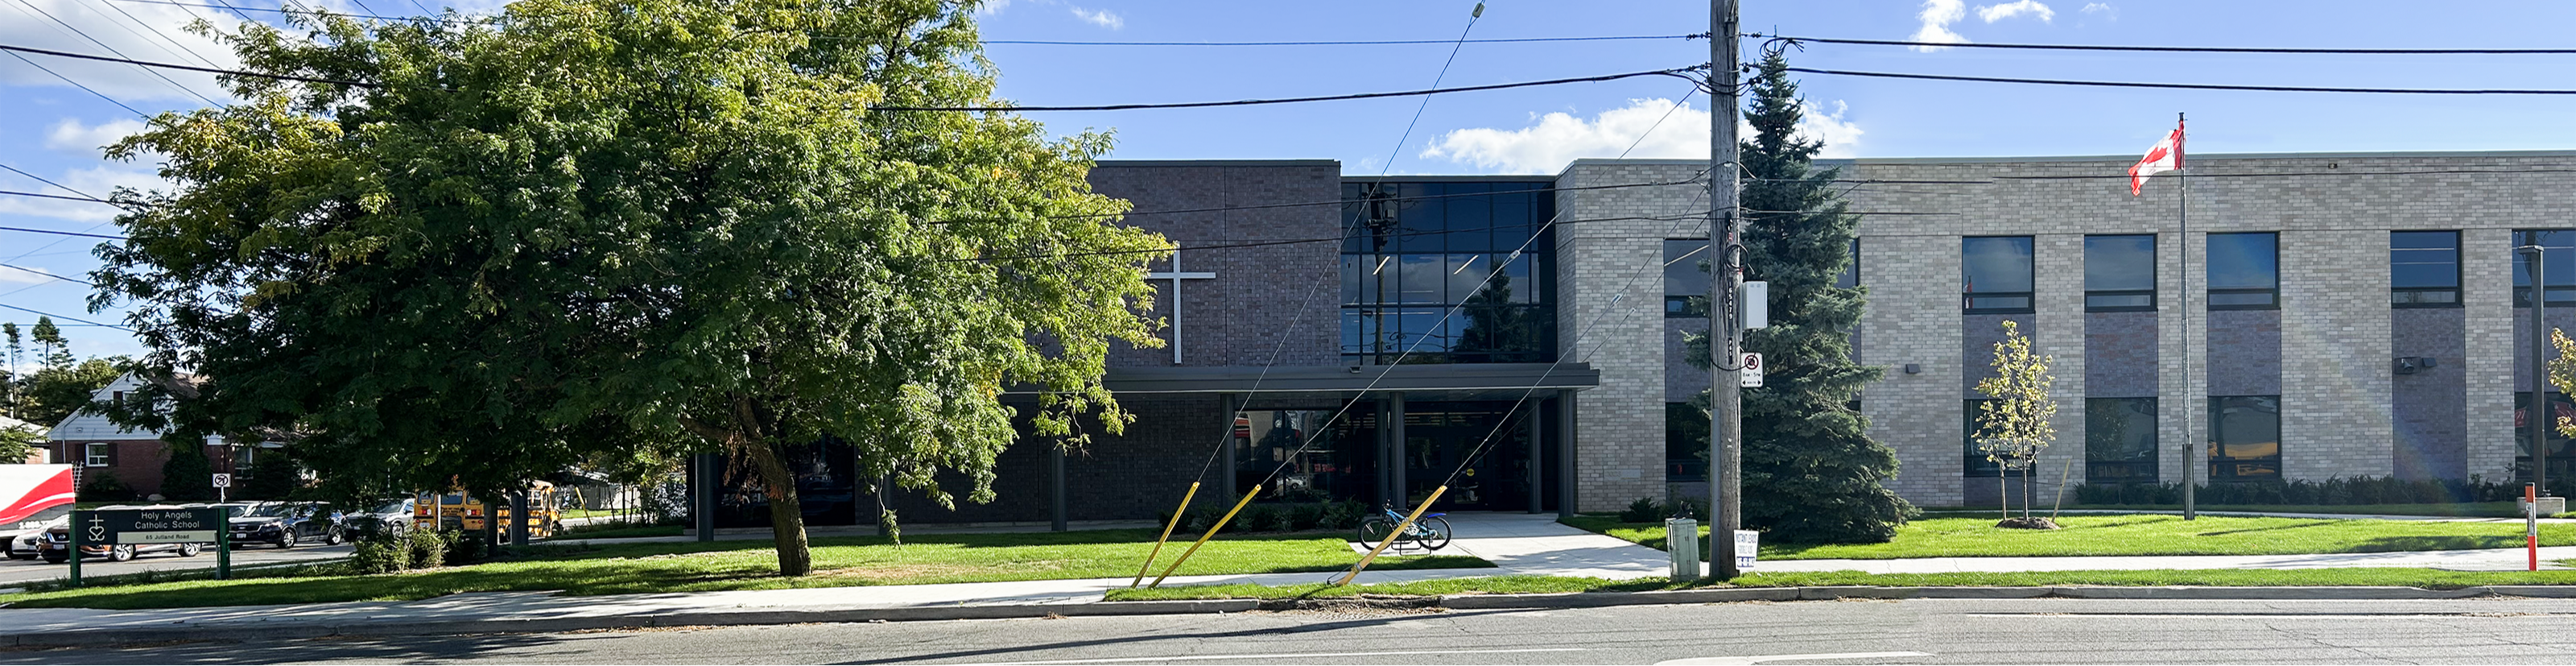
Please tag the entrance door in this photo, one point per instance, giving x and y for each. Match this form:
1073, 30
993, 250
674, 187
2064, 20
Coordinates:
1489, 463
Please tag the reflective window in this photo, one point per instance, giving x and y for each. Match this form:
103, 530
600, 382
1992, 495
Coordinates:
1850, 276
2244, 437
2562, 451
1446, 272
1974, 459
1995, 274
2244, 271
1685, 442
2424, 269
2119, 273
2120, 440
2558, 265
1686, 278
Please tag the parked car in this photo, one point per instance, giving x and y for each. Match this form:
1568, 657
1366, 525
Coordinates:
57, 543
23, 541
285, 524
394, 517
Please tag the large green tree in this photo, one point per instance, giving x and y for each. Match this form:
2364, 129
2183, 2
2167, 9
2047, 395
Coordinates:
1811, 472
664, 226
55, 392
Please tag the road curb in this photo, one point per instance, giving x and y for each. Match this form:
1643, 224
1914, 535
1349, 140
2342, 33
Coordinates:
288, 629
291, 629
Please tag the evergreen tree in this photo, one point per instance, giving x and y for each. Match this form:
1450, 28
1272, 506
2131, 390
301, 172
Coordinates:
187, 476
9, 379
56, 351
1811, 472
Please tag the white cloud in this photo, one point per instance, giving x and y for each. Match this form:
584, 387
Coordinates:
1102, 18
154, 32
71, 135
97, 181
991, 7
1937, 16
2104, 9
1993, 13
1554, 139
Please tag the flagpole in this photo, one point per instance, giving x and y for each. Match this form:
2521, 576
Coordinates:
2191, 460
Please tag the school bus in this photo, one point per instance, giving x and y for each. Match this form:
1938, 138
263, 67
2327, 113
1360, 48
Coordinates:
457, 510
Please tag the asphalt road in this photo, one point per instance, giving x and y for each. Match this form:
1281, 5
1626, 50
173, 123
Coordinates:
19, 571
2035, 631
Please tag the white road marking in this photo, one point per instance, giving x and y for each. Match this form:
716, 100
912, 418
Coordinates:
2285, 616
1290, 656
1758, 659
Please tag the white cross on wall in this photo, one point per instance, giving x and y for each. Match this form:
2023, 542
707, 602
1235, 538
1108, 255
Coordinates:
1176, 276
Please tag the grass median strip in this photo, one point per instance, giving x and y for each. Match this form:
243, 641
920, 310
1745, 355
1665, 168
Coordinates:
2136, 534
2437, 579
752, 565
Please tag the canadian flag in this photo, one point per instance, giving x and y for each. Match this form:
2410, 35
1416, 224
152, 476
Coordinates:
2166, 156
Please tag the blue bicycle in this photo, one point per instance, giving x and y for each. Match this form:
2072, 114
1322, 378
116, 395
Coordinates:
1431, 532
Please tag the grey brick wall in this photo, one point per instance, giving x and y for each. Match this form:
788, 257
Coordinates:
2335, 353
2243, 356
2059, 297
1609, 293
2486, 293
1914, 307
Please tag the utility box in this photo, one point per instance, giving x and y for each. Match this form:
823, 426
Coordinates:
1754, 302
1681, 538
2549, 506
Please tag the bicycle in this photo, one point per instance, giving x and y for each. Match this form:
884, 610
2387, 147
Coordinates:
1431, 532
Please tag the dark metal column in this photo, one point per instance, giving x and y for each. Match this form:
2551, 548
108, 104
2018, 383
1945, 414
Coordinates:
1537, 480
1566, 493
2536, 413
1403, 457
1055, 470
706, 474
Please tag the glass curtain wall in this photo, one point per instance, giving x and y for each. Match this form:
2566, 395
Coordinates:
1416, 251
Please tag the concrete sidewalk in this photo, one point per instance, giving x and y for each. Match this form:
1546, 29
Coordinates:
1519, 544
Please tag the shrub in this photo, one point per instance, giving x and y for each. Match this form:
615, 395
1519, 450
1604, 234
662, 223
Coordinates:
102, 486
1305, 516
379, 553
464, 547
1644, 510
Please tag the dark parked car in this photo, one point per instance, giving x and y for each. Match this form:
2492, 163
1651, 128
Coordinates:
284, 524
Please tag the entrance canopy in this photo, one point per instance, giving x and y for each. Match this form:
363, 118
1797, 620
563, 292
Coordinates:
1443, 381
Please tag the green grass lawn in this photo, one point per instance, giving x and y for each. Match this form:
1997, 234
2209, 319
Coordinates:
2135, 534
2461, 509
751, 565
2403, 577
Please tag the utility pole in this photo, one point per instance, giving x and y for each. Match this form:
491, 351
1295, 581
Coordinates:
1725, 324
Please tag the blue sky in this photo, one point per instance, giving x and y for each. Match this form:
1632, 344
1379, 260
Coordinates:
52, 129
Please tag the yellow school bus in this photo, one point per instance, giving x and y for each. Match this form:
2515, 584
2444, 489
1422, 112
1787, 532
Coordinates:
457, 510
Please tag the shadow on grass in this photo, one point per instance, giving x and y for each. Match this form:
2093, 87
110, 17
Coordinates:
2413, 543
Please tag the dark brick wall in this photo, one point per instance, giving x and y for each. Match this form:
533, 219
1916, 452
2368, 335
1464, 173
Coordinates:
1977, 347
2430, 406
2244, 352
1260, 294
2120, 354
135, 462
1134, 475
1682, 381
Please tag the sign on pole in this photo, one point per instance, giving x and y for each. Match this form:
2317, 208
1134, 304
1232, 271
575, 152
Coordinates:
223, 480
1751, 377
1748, 543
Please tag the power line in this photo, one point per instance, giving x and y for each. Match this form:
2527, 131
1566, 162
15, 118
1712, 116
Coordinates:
1346, 202
2190, 86
2166, 49
415, 3
1331, 43
56, 316
41, 179
110, 49
1675, 72
61, 233
193, 68
77, 84
50, 275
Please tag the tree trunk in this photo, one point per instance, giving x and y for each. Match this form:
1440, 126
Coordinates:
786, 513
2029, 485
2003, 493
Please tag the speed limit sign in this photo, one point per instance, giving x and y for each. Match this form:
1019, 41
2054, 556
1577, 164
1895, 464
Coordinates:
223, 480
1751, 376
